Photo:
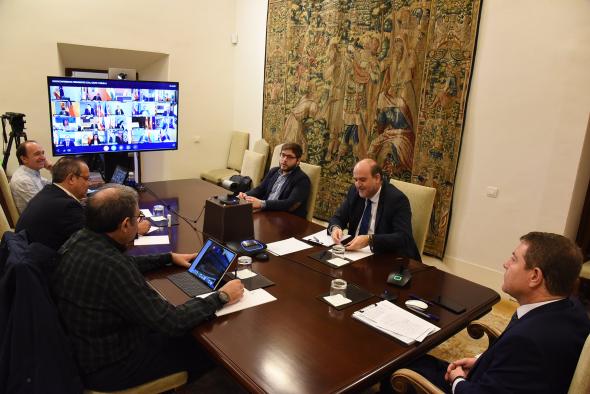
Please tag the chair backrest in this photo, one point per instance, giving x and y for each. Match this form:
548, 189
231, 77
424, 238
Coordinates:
262, 147
253, 166
314, 173
11, 212
237, 147
581, 379
4, 226
421, 201
276, 156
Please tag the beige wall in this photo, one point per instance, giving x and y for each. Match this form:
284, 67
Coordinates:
194, 33
526, 121
249, 66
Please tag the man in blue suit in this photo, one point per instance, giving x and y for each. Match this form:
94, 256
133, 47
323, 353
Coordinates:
539, 350
376, 213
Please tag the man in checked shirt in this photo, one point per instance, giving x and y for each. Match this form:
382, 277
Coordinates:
122, 332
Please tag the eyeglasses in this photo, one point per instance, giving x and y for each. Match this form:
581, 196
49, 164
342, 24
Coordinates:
290, 157
86, 178
139, 217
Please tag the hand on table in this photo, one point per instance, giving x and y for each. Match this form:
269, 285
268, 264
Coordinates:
234, 289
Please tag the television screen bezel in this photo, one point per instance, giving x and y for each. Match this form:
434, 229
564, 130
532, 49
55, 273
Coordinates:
110, 83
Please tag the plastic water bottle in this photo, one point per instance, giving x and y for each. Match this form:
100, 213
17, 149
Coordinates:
131, 179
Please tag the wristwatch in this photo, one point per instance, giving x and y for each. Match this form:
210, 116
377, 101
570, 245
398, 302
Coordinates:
223, 297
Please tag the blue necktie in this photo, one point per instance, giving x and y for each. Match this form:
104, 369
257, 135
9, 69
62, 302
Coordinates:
366, 219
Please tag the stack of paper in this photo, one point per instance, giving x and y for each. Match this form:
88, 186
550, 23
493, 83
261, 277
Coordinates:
395, 321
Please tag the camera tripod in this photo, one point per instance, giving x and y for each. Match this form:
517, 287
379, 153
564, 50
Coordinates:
17, 126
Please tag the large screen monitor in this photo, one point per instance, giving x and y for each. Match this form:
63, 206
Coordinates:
108, 116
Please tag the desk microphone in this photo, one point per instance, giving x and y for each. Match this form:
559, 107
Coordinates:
401, 277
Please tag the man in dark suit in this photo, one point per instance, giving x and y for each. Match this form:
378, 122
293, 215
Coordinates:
55, 212
539, 350
284, 188
376, 213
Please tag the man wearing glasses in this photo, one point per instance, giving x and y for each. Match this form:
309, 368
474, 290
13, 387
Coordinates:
284, 188
123, 333
56, 211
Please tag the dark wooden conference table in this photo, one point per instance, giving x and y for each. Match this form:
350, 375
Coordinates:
299, 344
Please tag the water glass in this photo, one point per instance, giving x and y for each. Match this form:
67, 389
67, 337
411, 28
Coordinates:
338, 286
338, 249
244, 265
159, 210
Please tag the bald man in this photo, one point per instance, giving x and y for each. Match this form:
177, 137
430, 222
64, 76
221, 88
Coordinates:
376, 213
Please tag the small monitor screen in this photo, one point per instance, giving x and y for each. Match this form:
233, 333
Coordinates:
105, 115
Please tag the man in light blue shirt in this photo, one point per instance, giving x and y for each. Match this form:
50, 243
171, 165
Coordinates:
27, 181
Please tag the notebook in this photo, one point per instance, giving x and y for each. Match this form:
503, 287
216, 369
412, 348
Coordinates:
206, 271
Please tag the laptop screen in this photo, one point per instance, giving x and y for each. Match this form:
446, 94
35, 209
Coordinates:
211, 263
119, 175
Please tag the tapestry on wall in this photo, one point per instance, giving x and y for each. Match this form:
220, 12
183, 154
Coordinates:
349, 79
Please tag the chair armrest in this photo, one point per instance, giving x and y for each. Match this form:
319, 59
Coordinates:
477, 329
403, 378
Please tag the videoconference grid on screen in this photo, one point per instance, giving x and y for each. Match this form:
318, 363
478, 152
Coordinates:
101, 115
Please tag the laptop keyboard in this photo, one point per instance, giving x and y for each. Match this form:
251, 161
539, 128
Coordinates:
189, 284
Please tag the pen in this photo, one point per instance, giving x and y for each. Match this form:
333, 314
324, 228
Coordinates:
430, 316
415, 297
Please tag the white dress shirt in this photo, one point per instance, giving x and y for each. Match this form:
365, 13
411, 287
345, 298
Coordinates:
374, 202
25, 184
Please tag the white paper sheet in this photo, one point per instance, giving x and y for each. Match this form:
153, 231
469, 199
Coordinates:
338, 262
286, 246
337, 300
152, 229
146, 212
250, 299
158, 218
395, 321
245, 274
355, 255
152, 240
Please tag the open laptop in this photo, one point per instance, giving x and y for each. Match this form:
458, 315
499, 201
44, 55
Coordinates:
119, 176
206, 271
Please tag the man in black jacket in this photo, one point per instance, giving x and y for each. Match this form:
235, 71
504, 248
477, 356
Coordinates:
284, 188
55, 212
376, 213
